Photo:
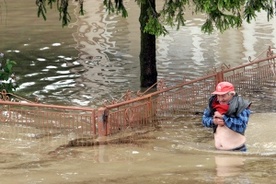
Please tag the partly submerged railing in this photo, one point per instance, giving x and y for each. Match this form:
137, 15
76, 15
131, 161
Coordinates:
36, 120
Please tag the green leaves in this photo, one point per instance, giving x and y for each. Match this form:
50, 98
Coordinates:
207, 27
62, 6
173, 12
41, 9
221, 21
154, 27
115, 7
51, 2
220, 14
253, 6
63, 12
81, 12
7, 77
225, 14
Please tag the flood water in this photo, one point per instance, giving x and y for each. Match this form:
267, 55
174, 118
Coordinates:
96, 58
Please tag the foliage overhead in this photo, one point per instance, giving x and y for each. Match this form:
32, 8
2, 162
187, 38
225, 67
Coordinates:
225, 14
116, 7
220, 14
62, 6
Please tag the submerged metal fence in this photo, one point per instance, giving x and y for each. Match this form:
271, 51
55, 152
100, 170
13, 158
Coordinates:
35, 120
39, 121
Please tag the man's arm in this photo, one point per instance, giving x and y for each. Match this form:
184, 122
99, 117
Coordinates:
207, 118
238, 123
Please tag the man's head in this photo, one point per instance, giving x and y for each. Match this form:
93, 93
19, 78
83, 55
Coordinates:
225, 92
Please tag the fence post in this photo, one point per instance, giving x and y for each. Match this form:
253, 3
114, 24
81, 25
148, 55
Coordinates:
103, 125
219, 77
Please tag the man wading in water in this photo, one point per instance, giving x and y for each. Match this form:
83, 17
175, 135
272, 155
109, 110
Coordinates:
228, 114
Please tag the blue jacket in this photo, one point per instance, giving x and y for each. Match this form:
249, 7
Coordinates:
236, 118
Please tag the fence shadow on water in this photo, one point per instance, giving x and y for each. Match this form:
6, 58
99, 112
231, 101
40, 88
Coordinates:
32, 120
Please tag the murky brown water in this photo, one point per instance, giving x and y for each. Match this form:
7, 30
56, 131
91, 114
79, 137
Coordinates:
181, 151
97, 58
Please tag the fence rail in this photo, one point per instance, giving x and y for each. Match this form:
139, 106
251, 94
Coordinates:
37, 121
189, 97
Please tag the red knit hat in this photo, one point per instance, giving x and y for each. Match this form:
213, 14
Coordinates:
223, 88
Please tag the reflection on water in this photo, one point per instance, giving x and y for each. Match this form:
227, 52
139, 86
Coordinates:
97, 58
103, 47
229, 166
262, 139
181, 151
46, 63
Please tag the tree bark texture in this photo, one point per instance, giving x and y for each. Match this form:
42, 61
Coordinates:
148, 73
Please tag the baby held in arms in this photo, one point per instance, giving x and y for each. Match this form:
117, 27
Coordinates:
228, 115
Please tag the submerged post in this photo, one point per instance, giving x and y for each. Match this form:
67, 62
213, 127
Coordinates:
102, 121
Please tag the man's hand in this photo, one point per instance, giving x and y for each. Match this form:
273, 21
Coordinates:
217, 119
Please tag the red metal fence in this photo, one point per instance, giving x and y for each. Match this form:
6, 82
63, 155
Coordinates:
186, 98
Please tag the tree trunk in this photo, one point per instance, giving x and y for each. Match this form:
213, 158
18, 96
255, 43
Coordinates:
148, 73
